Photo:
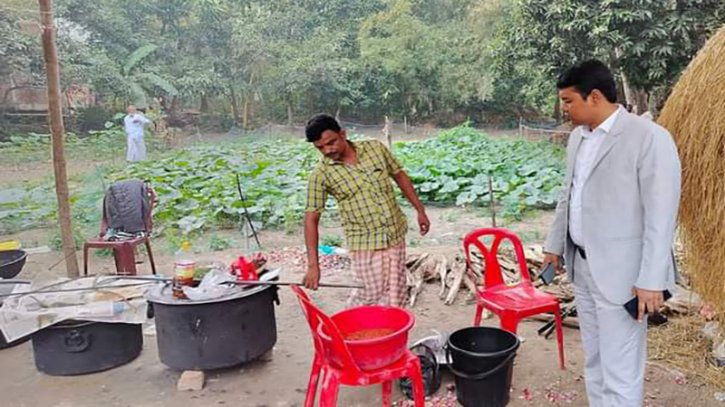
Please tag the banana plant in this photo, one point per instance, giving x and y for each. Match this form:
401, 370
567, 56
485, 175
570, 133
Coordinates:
140, 82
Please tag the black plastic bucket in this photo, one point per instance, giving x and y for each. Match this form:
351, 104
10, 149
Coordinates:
482, 360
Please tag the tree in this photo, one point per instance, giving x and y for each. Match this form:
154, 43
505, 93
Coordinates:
428, 67
647, 42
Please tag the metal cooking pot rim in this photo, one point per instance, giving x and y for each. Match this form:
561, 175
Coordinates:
162, 295
9, 257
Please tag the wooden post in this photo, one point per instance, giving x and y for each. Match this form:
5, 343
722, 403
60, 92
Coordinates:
521, 127
405, 123
55, 117
387, 133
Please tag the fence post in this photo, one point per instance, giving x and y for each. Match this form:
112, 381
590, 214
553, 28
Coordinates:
387, 133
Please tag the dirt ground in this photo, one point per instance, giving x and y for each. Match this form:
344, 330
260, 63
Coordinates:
281, 379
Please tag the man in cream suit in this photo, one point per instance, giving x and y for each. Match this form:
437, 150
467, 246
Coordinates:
614, 226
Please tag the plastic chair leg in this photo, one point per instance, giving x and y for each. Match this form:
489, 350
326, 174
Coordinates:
559, 337
118, 259
387, 393
509, 324
479, 315
330, 388
416, 376
151, 257
127, 260
312, 384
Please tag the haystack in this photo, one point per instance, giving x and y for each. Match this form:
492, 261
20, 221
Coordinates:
695, 115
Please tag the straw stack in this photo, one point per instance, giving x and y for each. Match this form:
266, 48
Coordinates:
695, 115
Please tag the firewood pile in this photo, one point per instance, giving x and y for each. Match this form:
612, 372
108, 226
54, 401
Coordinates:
451, 275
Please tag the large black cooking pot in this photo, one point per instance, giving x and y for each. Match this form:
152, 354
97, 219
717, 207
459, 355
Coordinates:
11, 262
213, 334
80, 347
4, 344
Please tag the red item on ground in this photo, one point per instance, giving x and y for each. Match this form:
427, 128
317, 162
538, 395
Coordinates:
510, 303
334, 359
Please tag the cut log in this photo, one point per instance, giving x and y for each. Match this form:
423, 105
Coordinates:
471, 285
429, 269
459, 271
418, 262
417, 275
417, 287
411, 259
443, 271
539, 251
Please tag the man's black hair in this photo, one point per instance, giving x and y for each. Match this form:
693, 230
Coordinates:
318, 124
587, 76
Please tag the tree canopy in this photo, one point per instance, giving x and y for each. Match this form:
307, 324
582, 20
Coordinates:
439, 61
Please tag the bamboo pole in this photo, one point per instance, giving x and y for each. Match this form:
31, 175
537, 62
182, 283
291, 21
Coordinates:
55, 117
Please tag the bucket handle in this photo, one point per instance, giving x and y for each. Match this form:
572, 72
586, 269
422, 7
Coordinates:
477, 376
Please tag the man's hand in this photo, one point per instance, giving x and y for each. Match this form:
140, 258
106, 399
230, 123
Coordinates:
648, 300
312, 278
554, 259
423, 222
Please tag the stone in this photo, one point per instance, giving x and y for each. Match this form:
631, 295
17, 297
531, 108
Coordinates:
191, 380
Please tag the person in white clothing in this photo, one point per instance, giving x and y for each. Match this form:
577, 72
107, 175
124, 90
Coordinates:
614, 226
134, 123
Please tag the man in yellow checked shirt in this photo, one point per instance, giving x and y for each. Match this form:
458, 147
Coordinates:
358, 176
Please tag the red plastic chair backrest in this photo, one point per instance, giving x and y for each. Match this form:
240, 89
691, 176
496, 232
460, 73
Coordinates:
149, 214
317, 321
492, 272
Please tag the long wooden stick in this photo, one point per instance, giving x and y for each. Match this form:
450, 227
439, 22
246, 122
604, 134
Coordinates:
246, 213
260, 282
55, 117
242, 282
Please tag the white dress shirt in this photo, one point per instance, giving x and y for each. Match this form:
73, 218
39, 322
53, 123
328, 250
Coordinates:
133, 124
585, 156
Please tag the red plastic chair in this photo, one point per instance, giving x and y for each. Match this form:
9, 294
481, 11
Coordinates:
349, 373
510, 303
124, 250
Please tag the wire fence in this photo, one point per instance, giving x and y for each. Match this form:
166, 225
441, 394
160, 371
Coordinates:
532, 133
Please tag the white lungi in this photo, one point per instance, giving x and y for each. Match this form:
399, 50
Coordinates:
615, 345
136, 149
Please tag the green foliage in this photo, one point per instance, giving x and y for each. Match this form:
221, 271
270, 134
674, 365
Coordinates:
92, 118
56, 242
19, 50
649, 42
332, 240
219, 243
108, 144
136, 57
197, 189
426, 66
455, 167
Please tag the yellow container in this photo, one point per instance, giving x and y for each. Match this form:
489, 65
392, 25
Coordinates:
9, 245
